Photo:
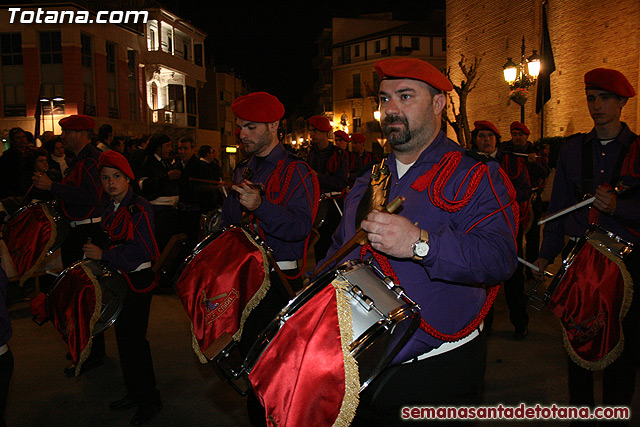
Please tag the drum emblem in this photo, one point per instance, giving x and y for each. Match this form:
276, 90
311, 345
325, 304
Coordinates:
587, 329
215, 310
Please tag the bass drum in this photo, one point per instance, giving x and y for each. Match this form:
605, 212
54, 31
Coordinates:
229, 293
34, 232
84, 301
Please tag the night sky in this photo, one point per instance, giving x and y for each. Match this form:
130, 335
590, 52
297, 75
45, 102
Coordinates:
272, 46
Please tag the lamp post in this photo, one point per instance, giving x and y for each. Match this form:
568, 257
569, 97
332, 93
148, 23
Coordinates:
50, 101
521, 76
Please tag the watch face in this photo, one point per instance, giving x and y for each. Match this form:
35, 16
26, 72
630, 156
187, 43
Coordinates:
421, 249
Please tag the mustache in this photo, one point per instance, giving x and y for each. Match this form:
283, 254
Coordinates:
394, 118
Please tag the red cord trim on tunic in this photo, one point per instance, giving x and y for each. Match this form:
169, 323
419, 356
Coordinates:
274, 185
435, 180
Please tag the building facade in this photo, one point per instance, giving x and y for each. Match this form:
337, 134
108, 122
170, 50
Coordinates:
348, 83
140, 78
584, 35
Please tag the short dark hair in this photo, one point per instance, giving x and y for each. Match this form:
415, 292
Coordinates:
105, 130
14, 131
474, 137
155, 142
188, 139
204, 150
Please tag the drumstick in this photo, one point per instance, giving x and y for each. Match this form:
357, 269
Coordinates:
567, 210
520, 154
357, 238
534, 267
225, 184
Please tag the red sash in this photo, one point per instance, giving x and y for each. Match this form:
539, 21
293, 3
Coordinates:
307, 377
220, 287
29, 236
75, 305
591, 302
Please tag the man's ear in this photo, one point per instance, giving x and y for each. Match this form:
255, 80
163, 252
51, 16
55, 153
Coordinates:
439, 102
273, 127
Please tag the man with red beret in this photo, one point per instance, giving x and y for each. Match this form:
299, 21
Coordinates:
282, 210
440, 251
594, 164
332, 166
486, 137
80, 195
538, 172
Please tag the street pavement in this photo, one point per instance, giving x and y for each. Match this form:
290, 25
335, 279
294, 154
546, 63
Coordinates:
530, 371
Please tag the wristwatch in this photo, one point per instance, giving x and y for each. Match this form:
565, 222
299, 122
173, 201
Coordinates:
421, 246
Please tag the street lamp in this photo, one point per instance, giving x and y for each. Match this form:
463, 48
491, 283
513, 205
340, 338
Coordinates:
50, 101
521, 76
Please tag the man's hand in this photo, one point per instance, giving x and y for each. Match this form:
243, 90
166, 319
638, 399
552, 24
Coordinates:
174, 174
41, 181
542, 265
533, 157
606, 199
248, 195
391, 234
92, 251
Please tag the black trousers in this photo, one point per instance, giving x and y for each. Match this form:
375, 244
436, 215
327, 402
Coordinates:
331, 222
514, 292
131, 336
452, 378
6, 371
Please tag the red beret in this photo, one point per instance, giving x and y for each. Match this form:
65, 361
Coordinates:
358, 137
486, 125
113, 159
520, 126
259, 107
321, 123
77, 122
412, 68
610, 80
340, 134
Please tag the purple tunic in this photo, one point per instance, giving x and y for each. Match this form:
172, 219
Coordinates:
285, 225
127, 255
567, 186
81, 189
446, 282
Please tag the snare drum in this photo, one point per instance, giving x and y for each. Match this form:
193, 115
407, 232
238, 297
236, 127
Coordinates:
351, 321
33, 233
85, 300
591, 294
225, 287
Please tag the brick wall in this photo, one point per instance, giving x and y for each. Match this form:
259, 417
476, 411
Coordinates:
584, 35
